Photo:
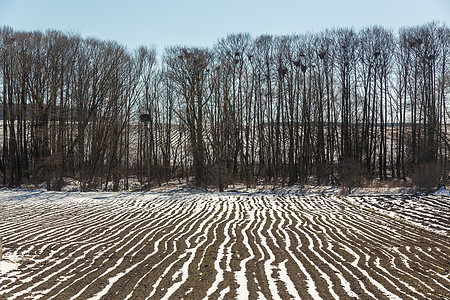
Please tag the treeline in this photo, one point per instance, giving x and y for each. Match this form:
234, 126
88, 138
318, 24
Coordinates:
329, 107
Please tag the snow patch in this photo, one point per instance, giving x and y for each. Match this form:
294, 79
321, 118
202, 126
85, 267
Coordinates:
442, 191
10, 262
7, 266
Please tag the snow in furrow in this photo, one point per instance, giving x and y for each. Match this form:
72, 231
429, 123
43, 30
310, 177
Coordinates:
310, 284
130, 252
100, 242
345, 284
342, 241
214, 231
180, 227
284, 275
184, 269
367, 275
386, 273
58, 262
117, 277
223, 293
229, 253
241, 279
312, 250
268, 263
221, 251
188, 251
371, 234
64, 240
405, 260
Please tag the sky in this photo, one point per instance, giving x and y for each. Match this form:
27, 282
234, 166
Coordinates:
162, 23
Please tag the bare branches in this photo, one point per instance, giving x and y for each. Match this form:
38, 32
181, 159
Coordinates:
278, 109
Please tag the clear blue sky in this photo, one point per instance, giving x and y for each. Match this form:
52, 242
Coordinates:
164, 23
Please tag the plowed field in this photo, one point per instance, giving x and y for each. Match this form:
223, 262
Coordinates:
180, 245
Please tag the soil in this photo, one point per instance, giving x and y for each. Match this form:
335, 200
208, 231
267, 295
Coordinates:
168, 245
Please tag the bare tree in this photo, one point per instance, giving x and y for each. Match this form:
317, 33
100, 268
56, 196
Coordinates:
188, 68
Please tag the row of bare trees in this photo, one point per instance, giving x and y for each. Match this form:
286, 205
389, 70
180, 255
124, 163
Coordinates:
67, 107
327, 107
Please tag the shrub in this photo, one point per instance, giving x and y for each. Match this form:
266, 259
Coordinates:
350, 173
427, 176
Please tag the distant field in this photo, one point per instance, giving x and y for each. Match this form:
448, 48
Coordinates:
181, 245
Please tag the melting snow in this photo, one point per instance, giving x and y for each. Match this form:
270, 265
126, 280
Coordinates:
10, 262
442, 191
